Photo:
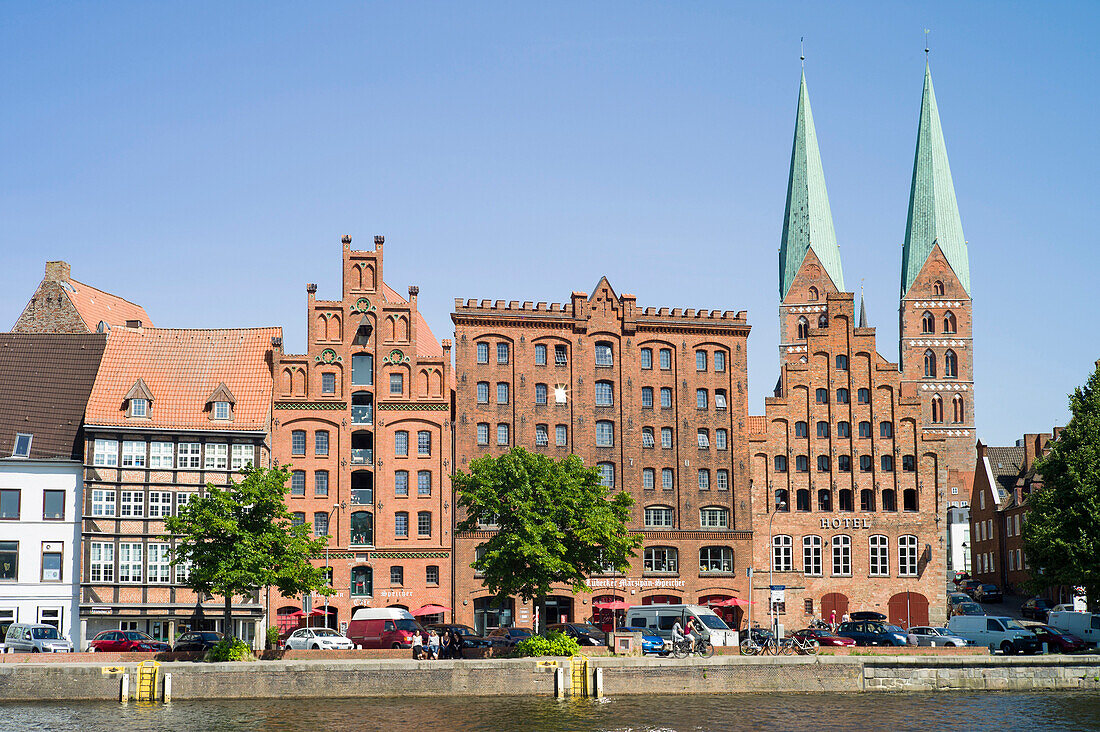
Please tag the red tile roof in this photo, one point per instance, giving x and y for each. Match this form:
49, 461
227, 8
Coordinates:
426, 344
181, 368
95, 305
757, 425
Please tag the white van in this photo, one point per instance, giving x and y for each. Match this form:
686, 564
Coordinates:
659, 619
996, 632
1085, 626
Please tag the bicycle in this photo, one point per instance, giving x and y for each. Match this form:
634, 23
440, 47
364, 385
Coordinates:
702, 647
804, 646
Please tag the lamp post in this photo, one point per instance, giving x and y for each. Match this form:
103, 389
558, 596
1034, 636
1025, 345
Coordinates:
780, 505
335, 507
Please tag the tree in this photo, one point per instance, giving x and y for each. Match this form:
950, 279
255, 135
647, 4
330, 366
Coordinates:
241, 538
557, 523
1062, 528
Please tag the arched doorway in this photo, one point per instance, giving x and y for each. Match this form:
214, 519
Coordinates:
661, 600
607, 620
908, 609
555, 609
286, 620
833, 607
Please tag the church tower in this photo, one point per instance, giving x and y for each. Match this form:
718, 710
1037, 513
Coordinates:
809, 258
936, 348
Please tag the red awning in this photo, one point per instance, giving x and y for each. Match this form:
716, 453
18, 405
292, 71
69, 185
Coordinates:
615, 605
731, 602
430, 610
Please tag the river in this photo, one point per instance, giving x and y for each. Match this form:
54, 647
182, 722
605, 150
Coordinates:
896, 712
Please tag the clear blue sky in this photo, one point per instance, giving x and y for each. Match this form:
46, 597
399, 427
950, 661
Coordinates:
203, 159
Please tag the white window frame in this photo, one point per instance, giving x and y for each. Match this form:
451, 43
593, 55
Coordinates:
189, 455
721, 441
605, 355
106, 453
162, 455
842, 555
221, 410
722, 479
647, 437
668, 479
483, 433
103, 502
714, 517
160, 504
131, 504
812, 555
702, 437
542, 435
504, 433
666, 444
139, 407
101, 562
243, 454
605, 433
159, 564
659, 517
782, 559
183, 572
649, 478
907, 555
879, 551
704, 479
561, 435
183, 498
662, 559
133, 454
217, 456
131, 567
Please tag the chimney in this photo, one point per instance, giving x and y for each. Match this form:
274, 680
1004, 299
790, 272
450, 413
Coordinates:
346, 240
58, 271
379, 240
311, 290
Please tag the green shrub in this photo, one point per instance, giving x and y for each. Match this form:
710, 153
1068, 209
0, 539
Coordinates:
229, 649
553, 643
272, 637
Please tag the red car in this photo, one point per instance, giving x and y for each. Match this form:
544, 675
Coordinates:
1056, 640
127, 640
825, 637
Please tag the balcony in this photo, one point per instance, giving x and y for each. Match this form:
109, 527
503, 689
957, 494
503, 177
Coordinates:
362, 496
362, 456
362, 415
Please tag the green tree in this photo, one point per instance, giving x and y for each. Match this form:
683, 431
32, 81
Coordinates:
241, 538
557, 523
1062, 528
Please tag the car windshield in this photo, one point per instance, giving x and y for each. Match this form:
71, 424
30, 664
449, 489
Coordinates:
586, 628
211, 636
893, 629
326, 633
942, 631
463, 630
45, 633
1013, 625
714, 622
406, 624
136, 635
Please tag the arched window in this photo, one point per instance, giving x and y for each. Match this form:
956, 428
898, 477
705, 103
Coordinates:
880, 556
802, 498
844, 500
950, 365
823, 464
716, 559
813, 294
907, 556
927, 323
604, 354
362, 528
929, 364
659, 517
782, 500
889, 500
824, 500
822, 429
800, 429
886, 429
811, 555
660, 559
781, 463
937, 408
866, 500
781, 553
607, 474
823, 320
841, 362
842, 555
362, 581
803, 327
949, 325
957, 408
714, 517
938, 287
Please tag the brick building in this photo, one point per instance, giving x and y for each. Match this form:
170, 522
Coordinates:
852, 461
656, 399
171, 410
363, 419
63, 305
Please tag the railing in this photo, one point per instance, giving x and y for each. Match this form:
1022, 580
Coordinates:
362, 414
362, 496
362, 456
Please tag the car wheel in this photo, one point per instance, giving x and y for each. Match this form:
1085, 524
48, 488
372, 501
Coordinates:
396, 646
316, 647
34, 650
1006, 648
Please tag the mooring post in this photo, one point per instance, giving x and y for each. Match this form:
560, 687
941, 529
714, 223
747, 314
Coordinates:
559, 682
124, 688
597, 686
168, 687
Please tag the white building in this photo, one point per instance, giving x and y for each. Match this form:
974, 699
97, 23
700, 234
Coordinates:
958, 537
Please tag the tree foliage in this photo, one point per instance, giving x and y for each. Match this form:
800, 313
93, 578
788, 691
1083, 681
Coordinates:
240, 538
557, 523
1062, 528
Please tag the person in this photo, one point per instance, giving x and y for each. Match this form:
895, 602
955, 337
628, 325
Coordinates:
689, 632
417, 647
847, 618
678, 636
433, 644
456, 645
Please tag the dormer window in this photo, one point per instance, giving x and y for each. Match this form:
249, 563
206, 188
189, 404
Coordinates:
22, 447
138, 400
139, 407
221, 410
220, 403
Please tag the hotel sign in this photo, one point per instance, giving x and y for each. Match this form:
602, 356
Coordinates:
846, 523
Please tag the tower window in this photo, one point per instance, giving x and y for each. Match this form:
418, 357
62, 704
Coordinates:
812, 295
803, 327
937, 408
929, 364
949, 324
950, 365
938, 287
957, 408
823, 321
927, 323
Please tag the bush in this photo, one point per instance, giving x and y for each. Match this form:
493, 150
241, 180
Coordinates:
553, 643
272, 637
229, 649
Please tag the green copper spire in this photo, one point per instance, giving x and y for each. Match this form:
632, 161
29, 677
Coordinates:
807, 221
933, 210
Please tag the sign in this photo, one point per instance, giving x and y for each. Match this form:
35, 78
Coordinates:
779, 593
625, 582
100, 610
397, 593
846, 523
748, 572
307, 604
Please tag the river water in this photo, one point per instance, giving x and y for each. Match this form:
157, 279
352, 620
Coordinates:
1002, 711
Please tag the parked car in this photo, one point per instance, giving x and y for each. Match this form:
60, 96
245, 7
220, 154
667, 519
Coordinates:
867, 615
825, 637
968, 586
651, 642
997, 632
872, 633
36, 638
318, 639
1036, 608
926, 635
123, 641
470, 638
1057, 641
961, 575
585, 634
1085, 626
660, 619
954, 599
383, 627
966, 608
988, 593
197, 641
508, 637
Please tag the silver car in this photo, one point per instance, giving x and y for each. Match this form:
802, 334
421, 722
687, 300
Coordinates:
925, 635
318, 639
36, 638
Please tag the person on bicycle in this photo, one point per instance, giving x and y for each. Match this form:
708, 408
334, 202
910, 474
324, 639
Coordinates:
689, 633
677, 633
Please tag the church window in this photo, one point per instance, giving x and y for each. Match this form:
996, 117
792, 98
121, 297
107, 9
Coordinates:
823, 321
929, 365
957, 408
949, 324
938, 287
937, 408
813, 294
803, 327
927, 323
950, 365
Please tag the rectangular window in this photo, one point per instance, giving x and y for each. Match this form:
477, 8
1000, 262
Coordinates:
424, 483
540, 394
103, 503
401, 524
647, 358
431, 574
659, 517
9, 504
133, 454
221, 410
320, 483
22, 447
401, 483
714, 518
298, 483
483, 353
719, 361
647, 397
561, 355
183, 572
700, 398
502, 353
542, 435
397, 384
51, 566
483, 433
811, 555
604, 355
666, 438
605, 434
101, 564
719, 399
700, 360
53, 505
320, 523
298, 518
880, 556
244, 455
401, 443
189, 455
703, 438
130, 564
132, 504
483, 392
106, 453
320, 444
822, 396
666, 359
217, 457
160, 504
160, 564
540, 354
298, 442
704, 480
397, 576
720, 440
666, 398
723, 480
667, 479
424, 443
502, 392
424, 524
647, 437
561, 435
502, 434
162, 455
648, 478
842, 555
328, 383
604, 394
362, 369
9, 560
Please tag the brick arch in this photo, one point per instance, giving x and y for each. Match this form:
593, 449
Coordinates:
834, 602
908, 609
335, 330
367, 277
298, 382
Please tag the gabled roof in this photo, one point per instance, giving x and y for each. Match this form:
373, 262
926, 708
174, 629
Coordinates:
221, 394
45, 382
933, 211
140, 390
1004, 466
182, 368
426, 344
95, 305
807, 219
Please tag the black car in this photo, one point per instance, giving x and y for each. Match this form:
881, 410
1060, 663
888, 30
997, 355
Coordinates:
1036, 608
867, 615
585, 634
470, 638
508, 637
197, 641
987, 593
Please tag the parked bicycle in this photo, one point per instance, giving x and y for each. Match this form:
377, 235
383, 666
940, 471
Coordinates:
702, 647
759, 642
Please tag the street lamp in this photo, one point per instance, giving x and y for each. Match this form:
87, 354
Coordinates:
335, 507
780, 505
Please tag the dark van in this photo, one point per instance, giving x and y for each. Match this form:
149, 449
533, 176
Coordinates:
383, 627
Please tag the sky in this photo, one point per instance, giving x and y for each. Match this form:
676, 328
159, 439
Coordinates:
204, 158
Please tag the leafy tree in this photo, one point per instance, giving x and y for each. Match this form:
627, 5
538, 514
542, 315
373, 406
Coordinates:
241, 538
557, 523
1062, 528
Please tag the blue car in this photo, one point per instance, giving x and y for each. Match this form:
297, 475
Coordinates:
650, 643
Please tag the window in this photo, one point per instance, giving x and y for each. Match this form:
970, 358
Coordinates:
605, 433
823, 464
889, 500
866, 500
483, 392
397, 575
221, 410
719, 361
647, 358
424, 483
781, 463
502, 392
782, 502
842, 555
130, 564
700, 398
604, 354
716, 559
132, 504
909, 499
702, 437
720, 439
103, 503
666, 438
328, 383
647, 437
362, 528
907, 556
22, 447
927, 323
320, 483
53, 505
160, 504
401, 483
822, 396
503, 434
647, 397
667, 480
863, 396
666, 397
401, 443
561, 355
431, 574
540, 354
909, 463
298, 442
217, 456
483, 353
802, 500
483, 433
841, 362
949, 324
162, 455
886, 429
842, 396
397, 384
865, 464
424, 443
401, 524
362, 581
801, 429
424, 524
811, 555
9, 504
607, 474
802, 464
649, 478
298, 483
320, 445
714, 517
51, 567
782, 561
101, 566
843, 429
133, 454
502, 353
700, 360
950, 365
719, 398
929, 364
604, 394
561, 435
887, 462
140, 407
542, 435
957, 408
937, 288
540, 394
844, 500
244, 455
844, 463
704, 480
865, 430
803, 327
659, 517
665, 356
106, 453
183, 572
362, 369
822, 429
660, 559
880, 556
823, 320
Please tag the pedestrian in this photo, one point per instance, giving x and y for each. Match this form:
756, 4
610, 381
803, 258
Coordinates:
847, 618
456, 645
417, 647
433, 644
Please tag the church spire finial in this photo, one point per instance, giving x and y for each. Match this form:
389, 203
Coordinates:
862, 307
802, 51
